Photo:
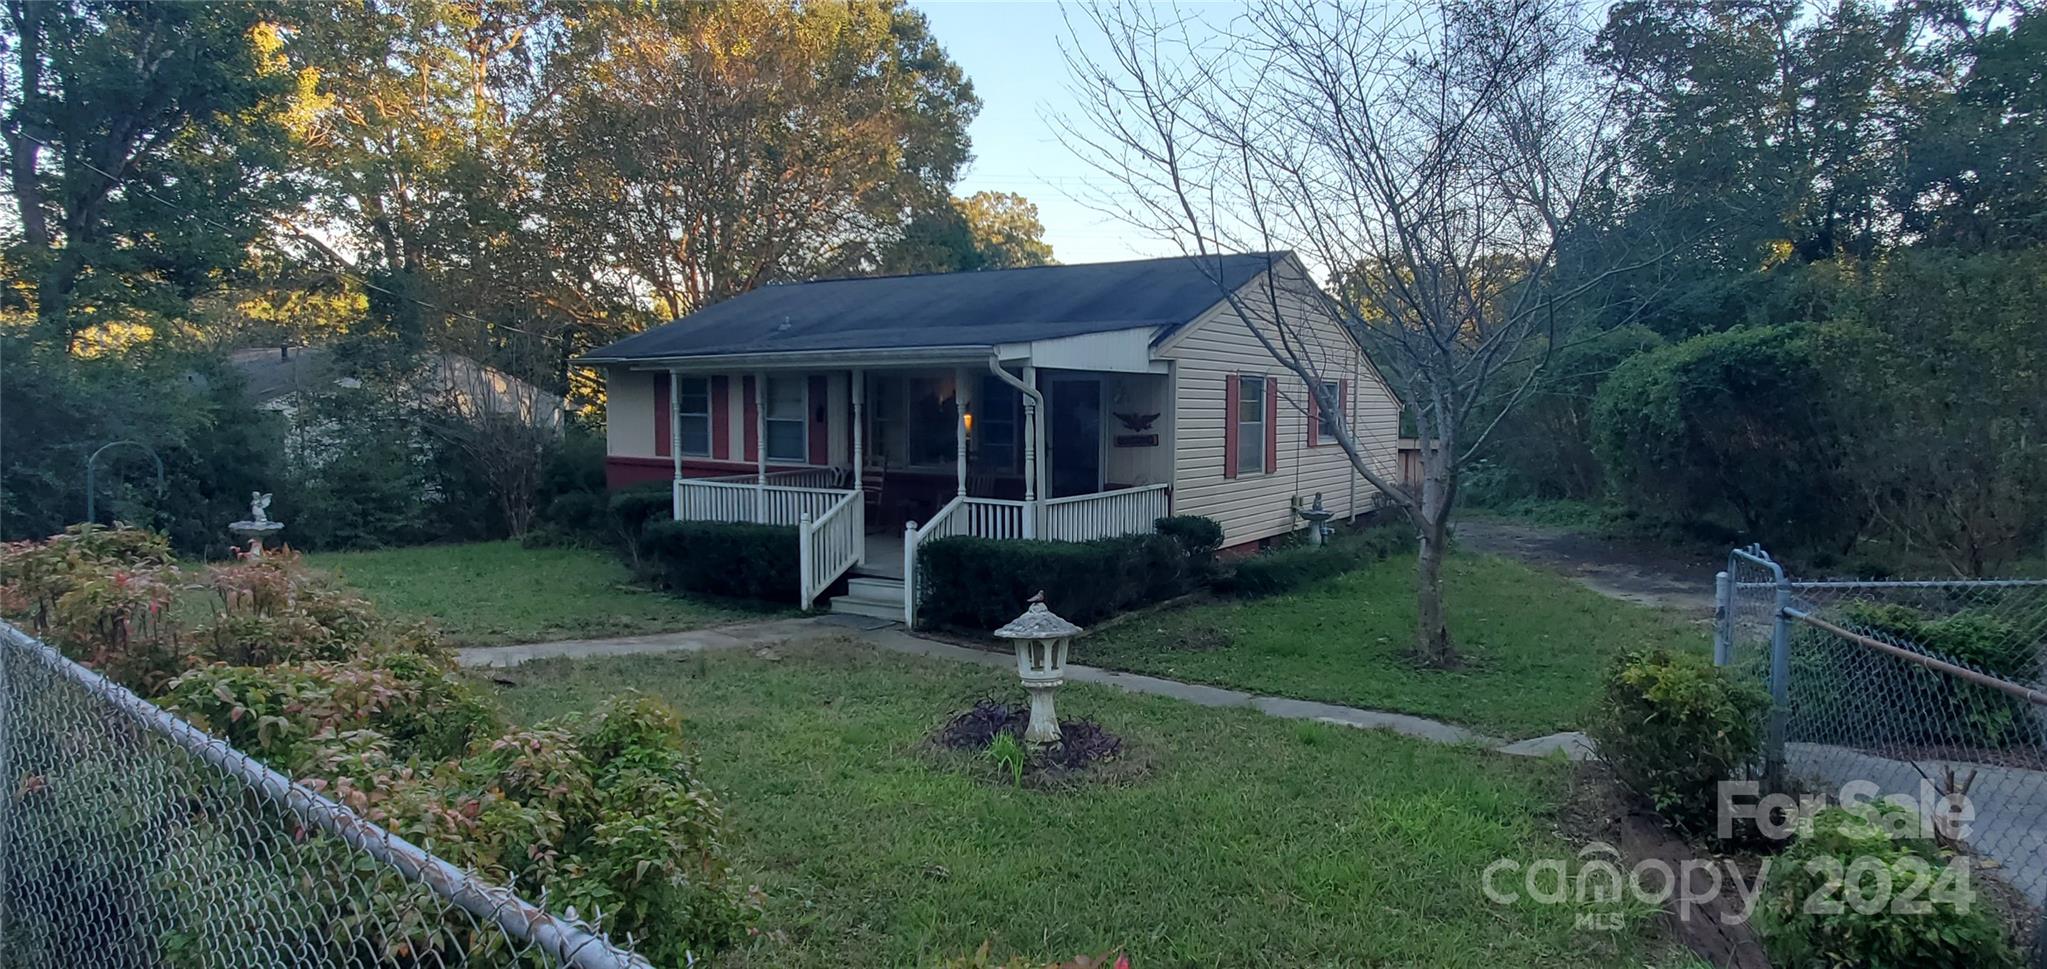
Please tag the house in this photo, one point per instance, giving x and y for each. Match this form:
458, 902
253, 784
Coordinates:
1057, 402
277, 376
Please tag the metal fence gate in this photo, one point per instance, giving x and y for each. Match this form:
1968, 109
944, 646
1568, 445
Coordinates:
1909, 686
130, 838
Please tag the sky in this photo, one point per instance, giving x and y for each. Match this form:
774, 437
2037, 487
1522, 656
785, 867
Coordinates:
1011, 53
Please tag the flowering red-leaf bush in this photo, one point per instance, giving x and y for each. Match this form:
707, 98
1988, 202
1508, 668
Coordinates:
603, 815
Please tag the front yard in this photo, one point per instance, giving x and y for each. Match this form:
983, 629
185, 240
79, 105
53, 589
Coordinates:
492, 593
1535, 644
1240, 840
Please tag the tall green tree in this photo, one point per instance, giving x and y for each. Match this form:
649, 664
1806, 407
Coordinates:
1975, 167
986, 230
1761, 137
700, 150
147, 147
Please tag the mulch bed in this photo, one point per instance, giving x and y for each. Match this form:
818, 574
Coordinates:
1084, 746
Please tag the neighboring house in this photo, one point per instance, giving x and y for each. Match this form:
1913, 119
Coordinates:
1056, 402
281, 375
277, 376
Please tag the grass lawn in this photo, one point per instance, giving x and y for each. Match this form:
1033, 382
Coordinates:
1535, 644
1246, 841
492, 593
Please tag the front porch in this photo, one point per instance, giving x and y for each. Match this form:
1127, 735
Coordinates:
869, 462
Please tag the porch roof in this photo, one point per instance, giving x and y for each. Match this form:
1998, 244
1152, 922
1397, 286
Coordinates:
947, 310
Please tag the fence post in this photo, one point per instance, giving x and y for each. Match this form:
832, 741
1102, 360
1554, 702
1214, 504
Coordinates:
1723, 618
1780, 683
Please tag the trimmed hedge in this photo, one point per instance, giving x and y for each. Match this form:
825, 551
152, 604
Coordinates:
979, 584
1199, 537
1291, 567
722, 559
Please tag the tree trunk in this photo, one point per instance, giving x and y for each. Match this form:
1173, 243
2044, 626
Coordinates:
1433, 648
1432, 645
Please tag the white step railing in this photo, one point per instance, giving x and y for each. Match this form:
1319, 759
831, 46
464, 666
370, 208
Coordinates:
944, 523
705, 500
1084, 518
830, 544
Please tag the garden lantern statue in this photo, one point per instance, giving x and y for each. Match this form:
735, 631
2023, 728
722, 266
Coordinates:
1041, 639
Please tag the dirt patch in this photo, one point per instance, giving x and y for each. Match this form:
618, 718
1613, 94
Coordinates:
1597, 811
1632, 571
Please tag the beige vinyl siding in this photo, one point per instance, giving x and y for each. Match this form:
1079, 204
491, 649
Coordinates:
629, 412
1257, 505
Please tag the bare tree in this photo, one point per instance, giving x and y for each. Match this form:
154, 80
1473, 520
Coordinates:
1429, 158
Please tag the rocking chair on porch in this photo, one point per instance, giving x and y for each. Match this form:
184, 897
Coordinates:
871, 482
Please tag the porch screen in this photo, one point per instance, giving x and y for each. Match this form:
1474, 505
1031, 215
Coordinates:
787, 419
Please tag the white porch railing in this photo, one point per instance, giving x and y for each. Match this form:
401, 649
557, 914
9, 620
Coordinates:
831, 543
829, 478
706, 500
1080, 518
1083, 518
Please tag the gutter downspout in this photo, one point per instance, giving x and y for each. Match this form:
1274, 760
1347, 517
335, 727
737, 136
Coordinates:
1034, 406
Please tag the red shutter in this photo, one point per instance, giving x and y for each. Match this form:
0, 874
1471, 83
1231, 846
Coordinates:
1230, 391
721, 418
1314, 416
1271, 425
664, 413
752, 417
820, 422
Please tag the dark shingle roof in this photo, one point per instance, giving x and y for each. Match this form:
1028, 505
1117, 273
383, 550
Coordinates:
949, 309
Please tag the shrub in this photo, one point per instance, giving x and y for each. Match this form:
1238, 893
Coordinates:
288, 715
1293, 566
725, 559
1673, 726
1735, 423
603, 813
979, 584
276, 610
1849, 860
1199, 538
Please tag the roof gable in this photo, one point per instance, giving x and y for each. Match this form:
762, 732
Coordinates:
983, 308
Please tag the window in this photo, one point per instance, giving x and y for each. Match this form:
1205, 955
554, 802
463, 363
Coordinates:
1251, 427
693, 415
786, 400
996, 408
1325, 417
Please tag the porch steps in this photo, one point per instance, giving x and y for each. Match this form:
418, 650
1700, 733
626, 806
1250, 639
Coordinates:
876, 598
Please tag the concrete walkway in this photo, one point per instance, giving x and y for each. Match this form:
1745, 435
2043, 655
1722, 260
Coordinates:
892, 637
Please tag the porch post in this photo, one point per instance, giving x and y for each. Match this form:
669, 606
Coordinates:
760, 453
858, 380
675, 441
959, 425
1033, 440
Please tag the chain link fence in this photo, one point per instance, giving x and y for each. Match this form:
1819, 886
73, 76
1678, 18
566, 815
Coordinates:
130, 838
1930, 688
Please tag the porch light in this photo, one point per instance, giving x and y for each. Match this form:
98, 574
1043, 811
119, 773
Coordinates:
967, 419
1041, 640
